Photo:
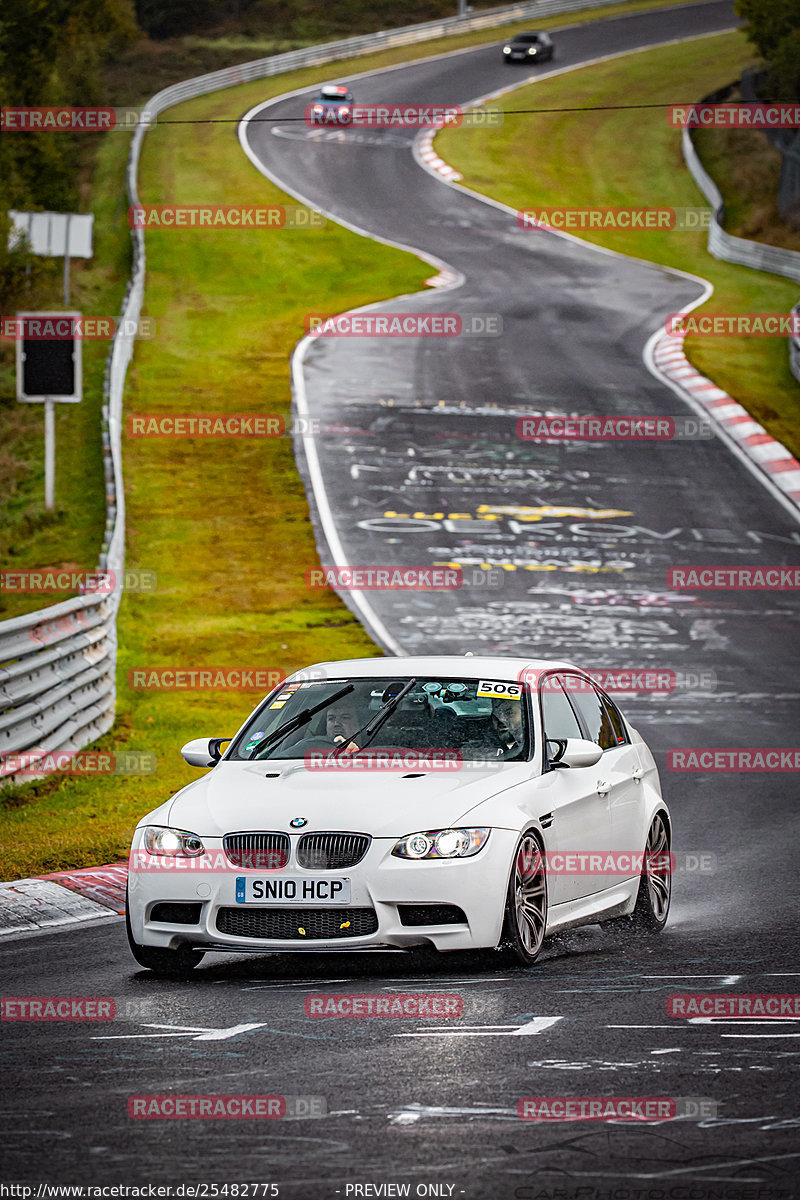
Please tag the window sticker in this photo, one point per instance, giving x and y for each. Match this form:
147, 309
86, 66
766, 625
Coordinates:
499, 691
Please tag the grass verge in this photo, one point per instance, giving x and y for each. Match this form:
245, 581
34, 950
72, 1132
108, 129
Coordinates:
747, 171
607, 159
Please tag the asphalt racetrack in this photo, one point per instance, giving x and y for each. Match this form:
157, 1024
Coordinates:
430, 1103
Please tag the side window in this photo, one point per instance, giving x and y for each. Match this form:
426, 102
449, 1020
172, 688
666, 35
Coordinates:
557, 714
617, 723
593, 711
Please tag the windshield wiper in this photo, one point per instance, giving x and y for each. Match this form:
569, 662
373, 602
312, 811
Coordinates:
374, 725
302, 718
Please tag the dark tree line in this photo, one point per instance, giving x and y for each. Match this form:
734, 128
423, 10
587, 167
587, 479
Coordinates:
52, 53
773, 26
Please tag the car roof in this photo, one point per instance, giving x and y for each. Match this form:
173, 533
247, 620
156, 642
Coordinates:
333, 89
528, 33
462, 666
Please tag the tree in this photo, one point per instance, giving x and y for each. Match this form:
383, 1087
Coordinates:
51, 53
773, 27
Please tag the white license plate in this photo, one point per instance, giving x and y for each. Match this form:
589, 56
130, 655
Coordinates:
291, 889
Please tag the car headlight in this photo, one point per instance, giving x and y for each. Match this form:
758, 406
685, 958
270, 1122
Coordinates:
158, 839
533, 50
441, 843
506, 49
318, 109
344, 111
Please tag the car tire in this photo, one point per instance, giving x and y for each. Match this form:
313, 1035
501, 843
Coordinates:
525, 919
169, 964
651, 910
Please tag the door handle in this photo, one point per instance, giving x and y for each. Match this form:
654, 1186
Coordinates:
602, 788
637, 774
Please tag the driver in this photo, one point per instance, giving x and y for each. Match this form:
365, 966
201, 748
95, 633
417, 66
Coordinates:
342, 720
507, 724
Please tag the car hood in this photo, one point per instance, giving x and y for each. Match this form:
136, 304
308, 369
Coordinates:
267, 796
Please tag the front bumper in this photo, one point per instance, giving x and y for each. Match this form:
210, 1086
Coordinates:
379, 884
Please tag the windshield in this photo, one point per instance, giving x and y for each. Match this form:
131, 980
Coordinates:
525, 39
480, 719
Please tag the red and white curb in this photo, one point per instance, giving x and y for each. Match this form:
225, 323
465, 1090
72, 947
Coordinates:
768, 454
27, 905
445, 279
427, 156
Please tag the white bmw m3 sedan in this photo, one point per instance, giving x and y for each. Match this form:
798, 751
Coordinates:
393, 803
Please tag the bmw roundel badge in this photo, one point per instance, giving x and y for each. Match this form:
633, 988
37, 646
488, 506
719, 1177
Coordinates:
298, 822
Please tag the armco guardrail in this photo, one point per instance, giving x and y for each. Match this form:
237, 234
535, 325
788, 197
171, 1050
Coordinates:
58, 665
794, 349
735, 249
743, 251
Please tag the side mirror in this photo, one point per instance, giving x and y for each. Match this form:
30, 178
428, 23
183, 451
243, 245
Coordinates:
203, 752
575, 752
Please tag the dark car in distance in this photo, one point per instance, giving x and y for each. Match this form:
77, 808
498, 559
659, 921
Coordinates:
528, 47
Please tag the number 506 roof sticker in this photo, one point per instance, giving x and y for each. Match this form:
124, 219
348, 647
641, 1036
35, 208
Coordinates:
499, 691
